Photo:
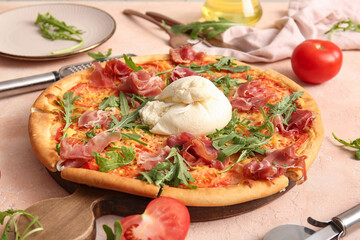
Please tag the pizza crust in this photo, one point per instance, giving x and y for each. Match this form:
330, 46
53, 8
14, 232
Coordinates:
111, 182
229, 195
40, 125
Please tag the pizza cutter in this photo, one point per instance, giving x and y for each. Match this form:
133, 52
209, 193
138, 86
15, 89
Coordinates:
336, 228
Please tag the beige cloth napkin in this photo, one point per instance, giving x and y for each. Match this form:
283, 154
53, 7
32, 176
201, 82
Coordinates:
307, 19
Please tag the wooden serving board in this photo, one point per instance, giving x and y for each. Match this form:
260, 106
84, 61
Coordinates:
73, 217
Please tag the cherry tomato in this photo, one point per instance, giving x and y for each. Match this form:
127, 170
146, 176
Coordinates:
316, 61
164, 219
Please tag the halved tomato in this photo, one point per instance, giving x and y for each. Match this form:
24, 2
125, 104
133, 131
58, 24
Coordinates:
164, 219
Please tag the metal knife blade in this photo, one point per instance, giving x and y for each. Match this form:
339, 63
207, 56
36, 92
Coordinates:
38, 82
327, 233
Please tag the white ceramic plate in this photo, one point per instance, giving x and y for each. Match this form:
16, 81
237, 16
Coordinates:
20, 38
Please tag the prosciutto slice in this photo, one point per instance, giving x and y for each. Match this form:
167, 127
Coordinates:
99, 78
149, 160
105, 77
251, 96
299, 120
76, 155
185, 54
180, 72
90, 118
196, 151
143, 83
274, 165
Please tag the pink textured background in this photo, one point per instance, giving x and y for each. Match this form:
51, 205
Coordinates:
333, 185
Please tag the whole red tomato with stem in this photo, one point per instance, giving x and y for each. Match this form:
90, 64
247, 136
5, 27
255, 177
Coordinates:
164, 218
316, 61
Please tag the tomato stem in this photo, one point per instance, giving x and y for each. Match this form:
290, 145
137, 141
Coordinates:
319, 46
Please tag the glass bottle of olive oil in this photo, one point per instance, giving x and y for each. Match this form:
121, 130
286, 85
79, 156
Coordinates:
244, 12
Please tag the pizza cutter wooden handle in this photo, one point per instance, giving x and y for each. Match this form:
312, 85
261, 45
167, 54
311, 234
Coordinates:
71, 217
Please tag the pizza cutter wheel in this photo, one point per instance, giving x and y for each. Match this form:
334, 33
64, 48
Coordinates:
334, 229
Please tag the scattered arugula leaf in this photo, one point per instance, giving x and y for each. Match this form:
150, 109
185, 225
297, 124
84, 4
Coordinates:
67, 103
285, 107
114, 159
346, 25
208, 28
354, 144
100, 55
130, 63
116, 235
169, 173
51, 28
12, 214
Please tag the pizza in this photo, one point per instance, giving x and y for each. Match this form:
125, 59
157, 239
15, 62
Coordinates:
207, 130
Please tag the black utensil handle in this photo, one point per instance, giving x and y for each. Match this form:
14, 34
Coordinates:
27, 84
348, 219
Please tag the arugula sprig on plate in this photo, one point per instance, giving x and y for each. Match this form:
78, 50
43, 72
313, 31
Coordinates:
51, 28
11, 224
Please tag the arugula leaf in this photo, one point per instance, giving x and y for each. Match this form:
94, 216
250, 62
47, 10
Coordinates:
209, 28
130, 63
12, 214
232, 142
169, 173
345, 25
255, 130
51, 28
226, 82
100, 55
138, 97
126, 121
285, 107
116, 235
109, 102
92, 133
59, 144
224, 63
354, 144
124, 106
67, 103
134, 137
229, 128
113, 101
114, 159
